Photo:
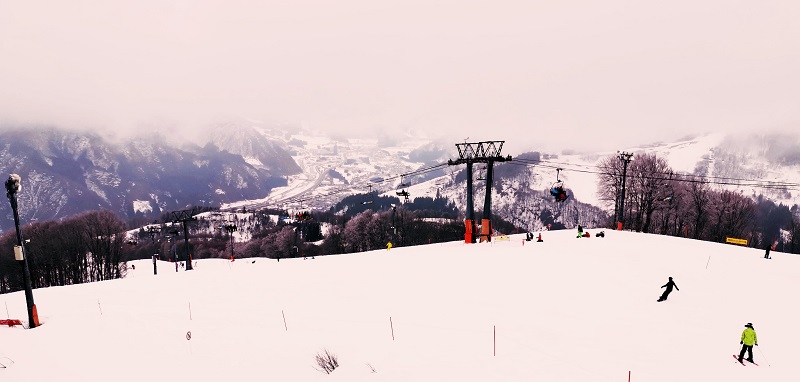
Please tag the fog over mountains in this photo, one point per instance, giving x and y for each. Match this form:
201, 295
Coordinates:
250, 164
66, 172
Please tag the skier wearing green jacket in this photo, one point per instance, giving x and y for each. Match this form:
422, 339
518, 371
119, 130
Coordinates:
748, 340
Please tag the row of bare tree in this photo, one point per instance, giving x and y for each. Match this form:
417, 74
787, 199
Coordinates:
85, 248
367, 230
660, 200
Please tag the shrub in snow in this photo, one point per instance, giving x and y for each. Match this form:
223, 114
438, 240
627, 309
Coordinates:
327, 362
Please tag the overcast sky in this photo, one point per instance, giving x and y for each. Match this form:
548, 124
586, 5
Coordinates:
559, 74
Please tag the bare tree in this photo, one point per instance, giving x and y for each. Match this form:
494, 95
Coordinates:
285, 241
794, 230
84, 248
733, 215
354, 232
650, 183
699, 193
609, 184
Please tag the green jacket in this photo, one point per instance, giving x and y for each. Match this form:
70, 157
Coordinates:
749, 337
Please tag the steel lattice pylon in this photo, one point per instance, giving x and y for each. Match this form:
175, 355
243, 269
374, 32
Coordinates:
479, 152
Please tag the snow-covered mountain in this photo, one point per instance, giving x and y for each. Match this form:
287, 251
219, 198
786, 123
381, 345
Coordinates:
66, 172
251, 164
334, 168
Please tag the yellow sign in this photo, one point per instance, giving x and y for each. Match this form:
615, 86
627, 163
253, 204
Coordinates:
734, 240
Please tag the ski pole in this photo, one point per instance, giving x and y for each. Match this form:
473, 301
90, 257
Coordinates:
762, 355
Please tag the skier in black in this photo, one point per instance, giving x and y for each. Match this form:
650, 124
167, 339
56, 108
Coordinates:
768, 248
669, 286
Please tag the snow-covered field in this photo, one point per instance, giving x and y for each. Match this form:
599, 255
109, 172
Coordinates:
564, 310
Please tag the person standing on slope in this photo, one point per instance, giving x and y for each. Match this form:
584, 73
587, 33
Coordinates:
747, 341
768, 248
669, 286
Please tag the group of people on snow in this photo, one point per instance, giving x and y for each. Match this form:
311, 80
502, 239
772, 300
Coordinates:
587, 234
529, 236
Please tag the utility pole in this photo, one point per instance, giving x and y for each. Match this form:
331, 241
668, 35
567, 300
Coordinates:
185, 217
625, 158
12, 187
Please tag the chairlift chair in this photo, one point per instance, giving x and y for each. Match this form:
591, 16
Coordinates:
482, 173
402, 189
557, 189
371, 195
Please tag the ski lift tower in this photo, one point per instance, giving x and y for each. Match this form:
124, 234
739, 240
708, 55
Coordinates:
185, 217
479, 152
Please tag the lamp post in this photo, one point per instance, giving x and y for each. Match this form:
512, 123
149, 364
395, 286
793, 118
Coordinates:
12, 188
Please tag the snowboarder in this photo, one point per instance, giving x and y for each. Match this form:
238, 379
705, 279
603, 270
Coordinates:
580, 231
388, 245
747, 341
669, 286
768, 248
539, 239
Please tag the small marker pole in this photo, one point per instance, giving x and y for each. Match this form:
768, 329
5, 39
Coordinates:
629, 376
190, 310
709, 260
99, 307
284, 321
391, 325
494, 340
7, 313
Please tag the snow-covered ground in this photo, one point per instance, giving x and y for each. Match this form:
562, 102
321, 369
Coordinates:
566, 309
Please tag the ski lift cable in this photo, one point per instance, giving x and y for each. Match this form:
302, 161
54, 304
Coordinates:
353, 186
677, 177
531, 161
581, 168
776, 184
